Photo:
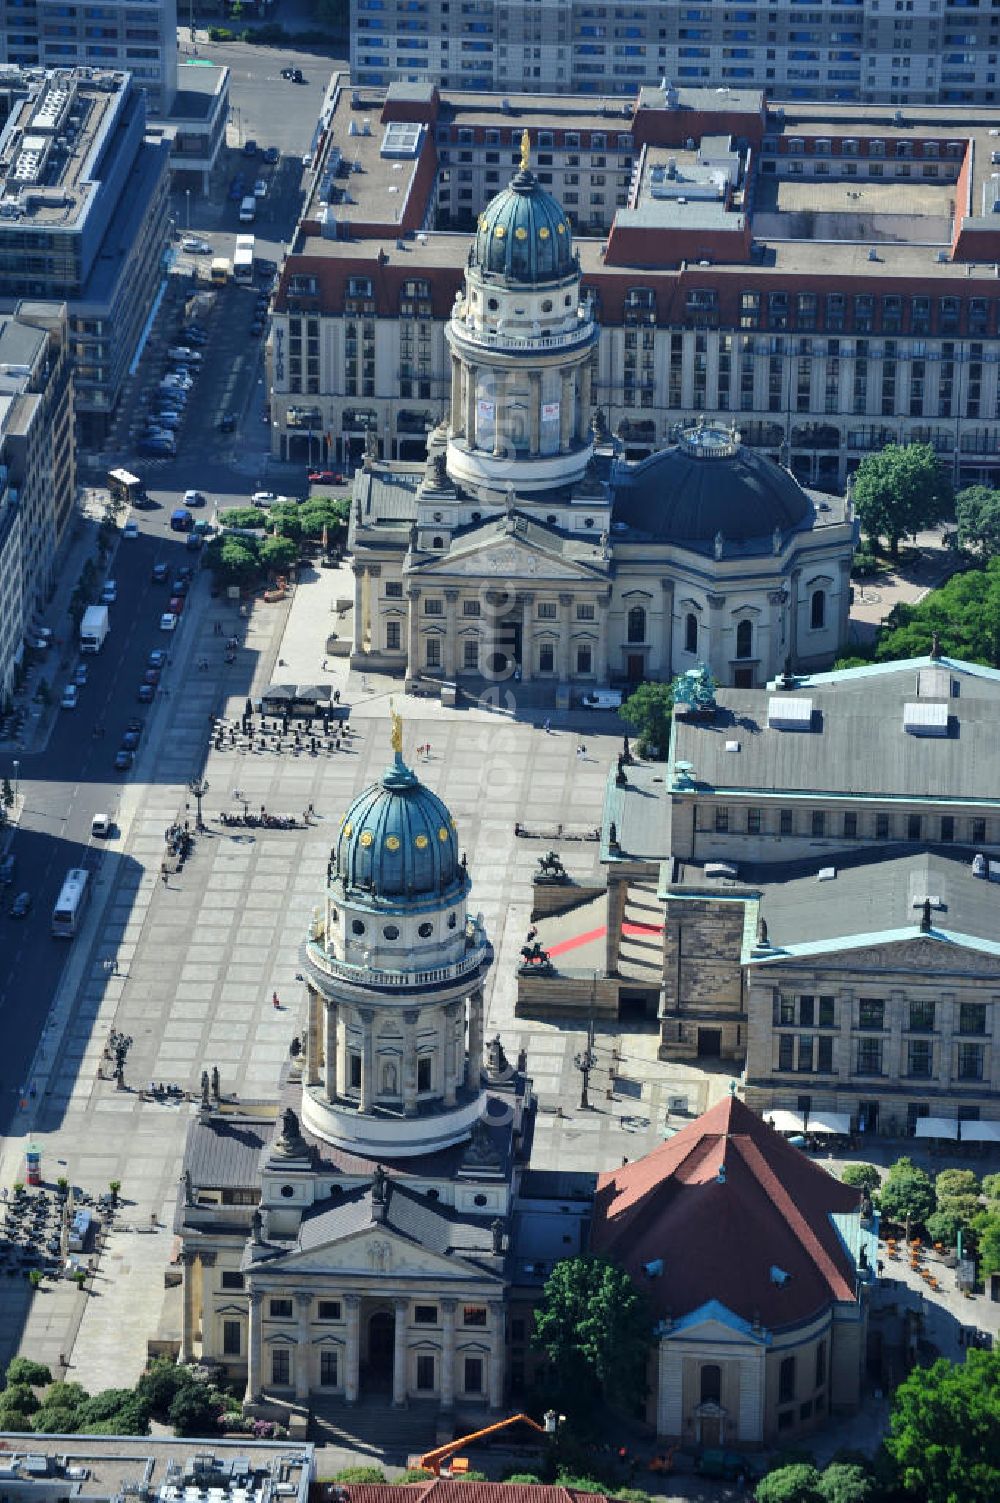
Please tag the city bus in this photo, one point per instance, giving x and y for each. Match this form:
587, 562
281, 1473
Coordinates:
243, 260
67, 915
220, 271
127, 489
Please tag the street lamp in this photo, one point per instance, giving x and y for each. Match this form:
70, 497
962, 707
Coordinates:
585, 1062
187, 208
17, 780
199, 787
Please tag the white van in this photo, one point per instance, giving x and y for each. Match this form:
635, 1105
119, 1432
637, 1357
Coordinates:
102, 826
248, 210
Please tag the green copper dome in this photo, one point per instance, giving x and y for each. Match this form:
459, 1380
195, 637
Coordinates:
398, 840
524, 235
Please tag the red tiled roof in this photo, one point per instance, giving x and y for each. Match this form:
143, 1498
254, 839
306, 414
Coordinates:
444, 1490
719, 1238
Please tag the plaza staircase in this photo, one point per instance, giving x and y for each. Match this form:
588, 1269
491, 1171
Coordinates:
374, 1428
640, 956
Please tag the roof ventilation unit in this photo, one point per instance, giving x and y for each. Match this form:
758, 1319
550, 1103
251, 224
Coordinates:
924, 719
786, 712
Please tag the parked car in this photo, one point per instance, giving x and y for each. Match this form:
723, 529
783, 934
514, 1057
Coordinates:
160, 572
145, 694
168, 621
109, 592
257, 327
123, 759
264, 267
157, 446
130, 740
175, 604
250, 148
151, 676
195, 334
325, 477
80, 675
157, 658
194, 541
194, 498
70, 697
21, 906
195, 245
271, 155
169, 420
227, 423
263, 498
185, 355
8, 865
130, 530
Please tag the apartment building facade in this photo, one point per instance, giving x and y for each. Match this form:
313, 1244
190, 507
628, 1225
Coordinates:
137, 36
824, 277
875, 51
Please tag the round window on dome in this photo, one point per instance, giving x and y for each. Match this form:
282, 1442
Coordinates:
357, 927
480, 1200
366, 838
421, 842
452, 920
547, 305
543, 233
392, 842
500, 232
425, 931
348, 831
560, 229
390, 932
520, 233
442, 834
287, 1191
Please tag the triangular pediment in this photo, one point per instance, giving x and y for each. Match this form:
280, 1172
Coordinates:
375, 1251
939, 951
507, 555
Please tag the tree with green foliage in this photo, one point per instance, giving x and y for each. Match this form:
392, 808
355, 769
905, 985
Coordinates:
159, 1386
964, 614
977, 511
235, 559
987, 1229
195, 1409
359, 1474
796, 1483
862, 1177
332, 15
943, 1431
648, 709
26, 1370
19, 1396
991, 1187
278, 554
285, 521
114, 1411
7, 793
907, 1196
957, 1194
16, 1419
596, 1329
899, 490
243, 516
847, 1482
324, 511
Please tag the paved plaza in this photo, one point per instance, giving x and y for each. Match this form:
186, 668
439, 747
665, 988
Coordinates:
187, 969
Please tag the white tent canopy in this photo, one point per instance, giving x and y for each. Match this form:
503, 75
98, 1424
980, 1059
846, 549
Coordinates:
784, 1121
981, 1132
936, 1127
838, 1123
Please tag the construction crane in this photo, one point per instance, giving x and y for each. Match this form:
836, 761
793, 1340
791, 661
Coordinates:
432, 1461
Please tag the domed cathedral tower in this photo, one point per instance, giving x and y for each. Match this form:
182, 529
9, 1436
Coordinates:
394, 967
521, 342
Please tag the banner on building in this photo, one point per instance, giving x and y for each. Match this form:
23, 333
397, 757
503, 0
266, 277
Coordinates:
486, 410
550, 412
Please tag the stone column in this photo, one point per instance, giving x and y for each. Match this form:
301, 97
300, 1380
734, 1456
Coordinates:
528, 623
413, 633
359, 619
409, 1082
566, 413
207, 1260
330, 1051
374, 574
447, 1384
534, 412
793, 616
303, 1350
367, 1016
583, 409
451, 633
252, 1394
474, 1063
565, 631
401, 1308
666, 641
312, 1038
471, 374
717, 660
496, 1355
499, 385
188, 1310
601, 656
366, 610
352, 1359
452, 1052
456, 395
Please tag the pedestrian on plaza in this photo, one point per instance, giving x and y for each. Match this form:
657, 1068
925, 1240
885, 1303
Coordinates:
311, 811
547, 727
274, 1002
427, 751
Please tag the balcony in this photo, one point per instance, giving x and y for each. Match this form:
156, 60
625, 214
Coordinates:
483, 338
371, 977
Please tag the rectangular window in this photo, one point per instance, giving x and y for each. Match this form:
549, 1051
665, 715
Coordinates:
546, 658
392, 636
881, 827
871, 1013
329, 1309
786, 1380
913, 827
425, 1373
394, 589
473, 1374
231, 1338
470, 654
433, 652
753, 821
972, 1017
547, 610
784, 1011
979, 832
919, 1053
424, 1073
785, 822
807, 1011
721, 820
786, 1051
328, 1376
280, 1309
474, 1315
583, 660
970, 1061
818, 823
354, 1071
921, 1017
824, 1055
947, 828
470, 608
826, 1012
869, 1056
850, 825
585, 612
281, 1366
805, 1055
433, 607
425, 1315
232, 1280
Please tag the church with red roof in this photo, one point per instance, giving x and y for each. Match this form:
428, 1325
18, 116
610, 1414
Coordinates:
754, 1260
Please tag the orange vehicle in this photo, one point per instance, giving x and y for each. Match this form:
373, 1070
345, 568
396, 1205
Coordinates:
432, 1461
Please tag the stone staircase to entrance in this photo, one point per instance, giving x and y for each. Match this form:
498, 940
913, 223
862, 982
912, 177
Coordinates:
373, 1427
641, 955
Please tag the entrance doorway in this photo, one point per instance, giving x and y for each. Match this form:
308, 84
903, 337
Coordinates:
709, 1043
711, 1431
381, 1337
638, 1006
634, 667
743, 678
505, 650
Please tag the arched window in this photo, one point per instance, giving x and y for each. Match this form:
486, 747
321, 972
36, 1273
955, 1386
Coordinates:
690, 632
437, 542
637, 624
389, 1080
711, 1383
744, 639
817, 610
